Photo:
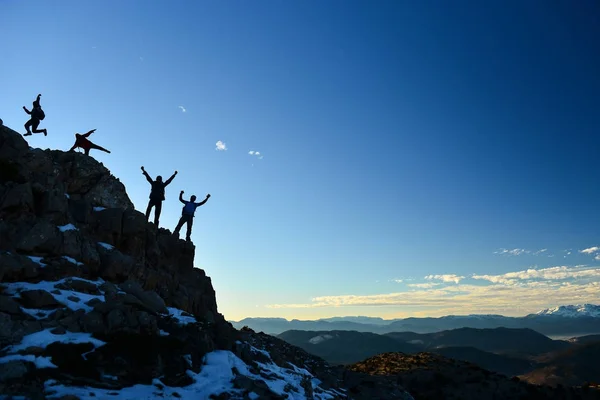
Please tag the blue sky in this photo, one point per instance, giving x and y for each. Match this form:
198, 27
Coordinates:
399, 141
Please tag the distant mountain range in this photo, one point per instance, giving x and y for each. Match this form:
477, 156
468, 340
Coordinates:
511, 352
572, 320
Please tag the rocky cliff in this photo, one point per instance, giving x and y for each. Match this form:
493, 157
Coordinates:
97, 303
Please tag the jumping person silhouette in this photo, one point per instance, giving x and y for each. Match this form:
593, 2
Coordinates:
187, 214
157, 194
83, 142
37, 114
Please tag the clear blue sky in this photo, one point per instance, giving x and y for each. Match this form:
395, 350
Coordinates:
399, 140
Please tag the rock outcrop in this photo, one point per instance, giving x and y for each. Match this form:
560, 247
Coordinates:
95, 302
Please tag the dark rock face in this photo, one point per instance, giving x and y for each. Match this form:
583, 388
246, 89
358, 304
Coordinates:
93, 298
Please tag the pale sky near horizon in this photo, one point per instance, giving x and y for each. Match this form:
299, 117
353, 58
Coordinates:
388, 158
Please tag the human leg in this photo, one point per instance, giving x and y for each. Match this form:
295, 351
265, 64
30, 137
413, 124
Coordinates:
34, 126
148, 209
157, 211
190, 221
179, 225
27, 125
95, 146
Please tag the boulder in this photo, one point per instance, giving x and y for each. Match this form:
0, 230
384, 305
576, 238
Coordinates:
43, 237
17, 196
39, 299
13, 370
9, 306
150, 299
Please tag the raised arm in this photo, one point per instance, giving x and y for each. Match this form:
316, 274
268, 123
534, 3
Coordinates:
147, 176
171, 178
26, 110
203, 201
89, 133
181, 197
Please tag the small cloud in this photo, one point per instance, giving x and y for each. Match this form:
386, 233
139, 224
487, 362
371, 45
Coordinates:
597, 257
427, 285
446, 278
221, 146
182, 108
142, 59
590, 250
256, 153
398, 280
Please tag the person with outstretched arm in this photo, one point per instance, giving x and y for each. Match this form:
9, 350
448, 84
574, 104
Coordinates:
37, 114
187, 214
157, 194
83, 142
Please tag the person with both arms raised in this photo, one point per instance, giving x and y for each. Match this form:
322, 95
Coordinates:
187, 214
157, 195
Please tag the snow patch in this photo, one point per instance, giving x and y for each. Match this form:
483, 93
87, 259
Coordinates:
67, 227
60, 295
572, 311
163, 333
106, 245
37, 314
37, 260
72, 260
46, 337
97, 209
67, 195
40, 362
320, 339
181, 319
215, 377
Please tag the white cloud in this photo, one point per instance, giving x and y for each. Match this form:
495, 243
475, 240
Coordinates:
398, 280
256, 153
446, 278
590, 250
182, 108
427, 285
518, 252
221, 146
513, 293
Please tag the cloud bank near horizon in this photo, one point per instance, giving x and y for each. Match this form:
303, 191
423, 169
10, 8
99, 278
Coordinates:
512, 293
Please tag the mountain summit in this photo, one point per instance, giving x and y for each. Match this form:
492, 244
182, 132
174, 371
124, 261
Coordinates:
575, 311
95, 302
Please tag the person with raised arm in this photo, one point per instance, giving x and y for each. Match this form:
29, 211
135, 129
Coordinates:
157, 195
83, 142
187, 214
37, 114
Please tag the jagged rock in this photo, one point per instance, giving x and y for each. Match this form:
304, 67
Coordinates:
114, 264
39, 299
150, 299
14, 267
78, 285
43, 237
108, 225
12, 331
9, 306
92, 322
17, 196
13, 370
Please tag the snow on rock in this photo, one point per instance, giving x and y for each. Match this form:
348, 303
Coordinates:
72, 260
106, 245
572, 311
60, 295
67, 227
36, 313
216, 377
99, 209
320, 339
67, 195
37, 260
46, 337
182, 319
163, 333
40, 362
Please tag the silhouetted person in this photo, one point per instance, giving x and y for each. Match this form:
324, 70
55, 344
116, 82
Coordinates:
157, 194
187, 214
83, 142
37, 114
